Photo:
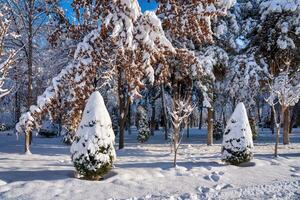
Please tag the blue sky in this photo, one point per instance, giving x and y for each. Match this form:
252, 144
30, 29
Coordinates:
145, 5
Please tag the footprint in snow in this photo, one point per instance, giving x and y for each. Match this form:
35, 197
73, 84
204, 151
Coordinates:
2, 183
205, 189
293, 170
222, 186
214, 176
274, 162
295, 175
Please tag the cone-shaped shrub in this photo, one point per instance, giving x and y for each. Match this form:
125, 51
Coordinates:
237, 139
93, 150
143, 125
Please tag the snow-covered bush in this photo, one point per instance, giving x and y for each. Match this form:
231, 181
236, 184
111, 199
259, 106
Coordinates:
93, 150
68, 136
237, 140
115, 121
218, 130
143, 125
253, 126
48, 129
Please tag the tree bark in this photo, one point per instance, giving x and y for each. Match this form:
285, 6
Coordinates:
164, 109
129, 120
28, 137
210, 121
188, 127
17, 107
122, 109
295, 114
277, 139
272, 120
277, 130
201, 115
176, 140
152, 123
30, 50
286, 125
258, 112
27, 143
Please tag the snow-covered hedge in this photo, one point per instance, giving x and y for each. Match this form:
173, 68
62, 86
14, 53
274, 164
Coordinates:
93, 150
237, 139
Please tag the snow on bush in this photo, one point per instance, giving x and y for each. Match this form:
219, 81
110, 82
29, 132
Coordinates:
93, 150
143, 125
218, 130
237, 140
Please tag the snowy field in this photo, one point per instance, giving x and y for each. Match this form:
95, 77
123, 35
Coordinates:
144, 171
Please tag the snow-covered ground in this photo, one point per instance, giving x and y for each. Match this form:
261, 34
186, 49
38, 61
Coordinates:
144, 171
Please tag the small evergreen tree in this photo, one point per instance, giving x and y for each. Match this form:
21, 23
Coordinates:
115, 121
142, 124
218, 130
253, 128
68, 136
237, 139
93, 150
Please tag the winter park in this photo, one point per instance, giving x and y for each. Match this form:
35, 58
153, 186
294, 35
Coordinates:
149, 99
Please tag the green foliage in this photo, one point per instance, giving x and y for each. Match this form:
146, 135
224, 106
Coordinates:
253, 126
143, 125
218, 130
237, 157
115, 121
68, 137
84, 161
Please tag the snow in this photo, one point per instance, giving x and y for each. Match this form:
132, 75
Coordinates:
238, 135
144, 171
94, 132
284, 42
278, 6
227, 3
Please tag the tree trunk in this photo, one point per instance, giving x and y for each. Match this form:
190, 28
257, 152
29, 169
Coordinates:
277, 130
122, 110
30, 50
27, 143
17, 107
164, 109
188, 127
210, 121
224, 120
28, 138
176, 140
277, 139
272, 120
129, 120
295, 114
201, 115
152, 123
286, 125
258, 112
121, 133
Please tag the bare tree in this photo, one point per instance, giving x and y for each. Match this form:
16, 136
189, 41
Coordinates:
6, 59
285, 91
181, 110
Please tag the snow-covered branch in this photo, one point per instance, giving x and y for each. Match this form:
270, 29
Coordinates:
127, 40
